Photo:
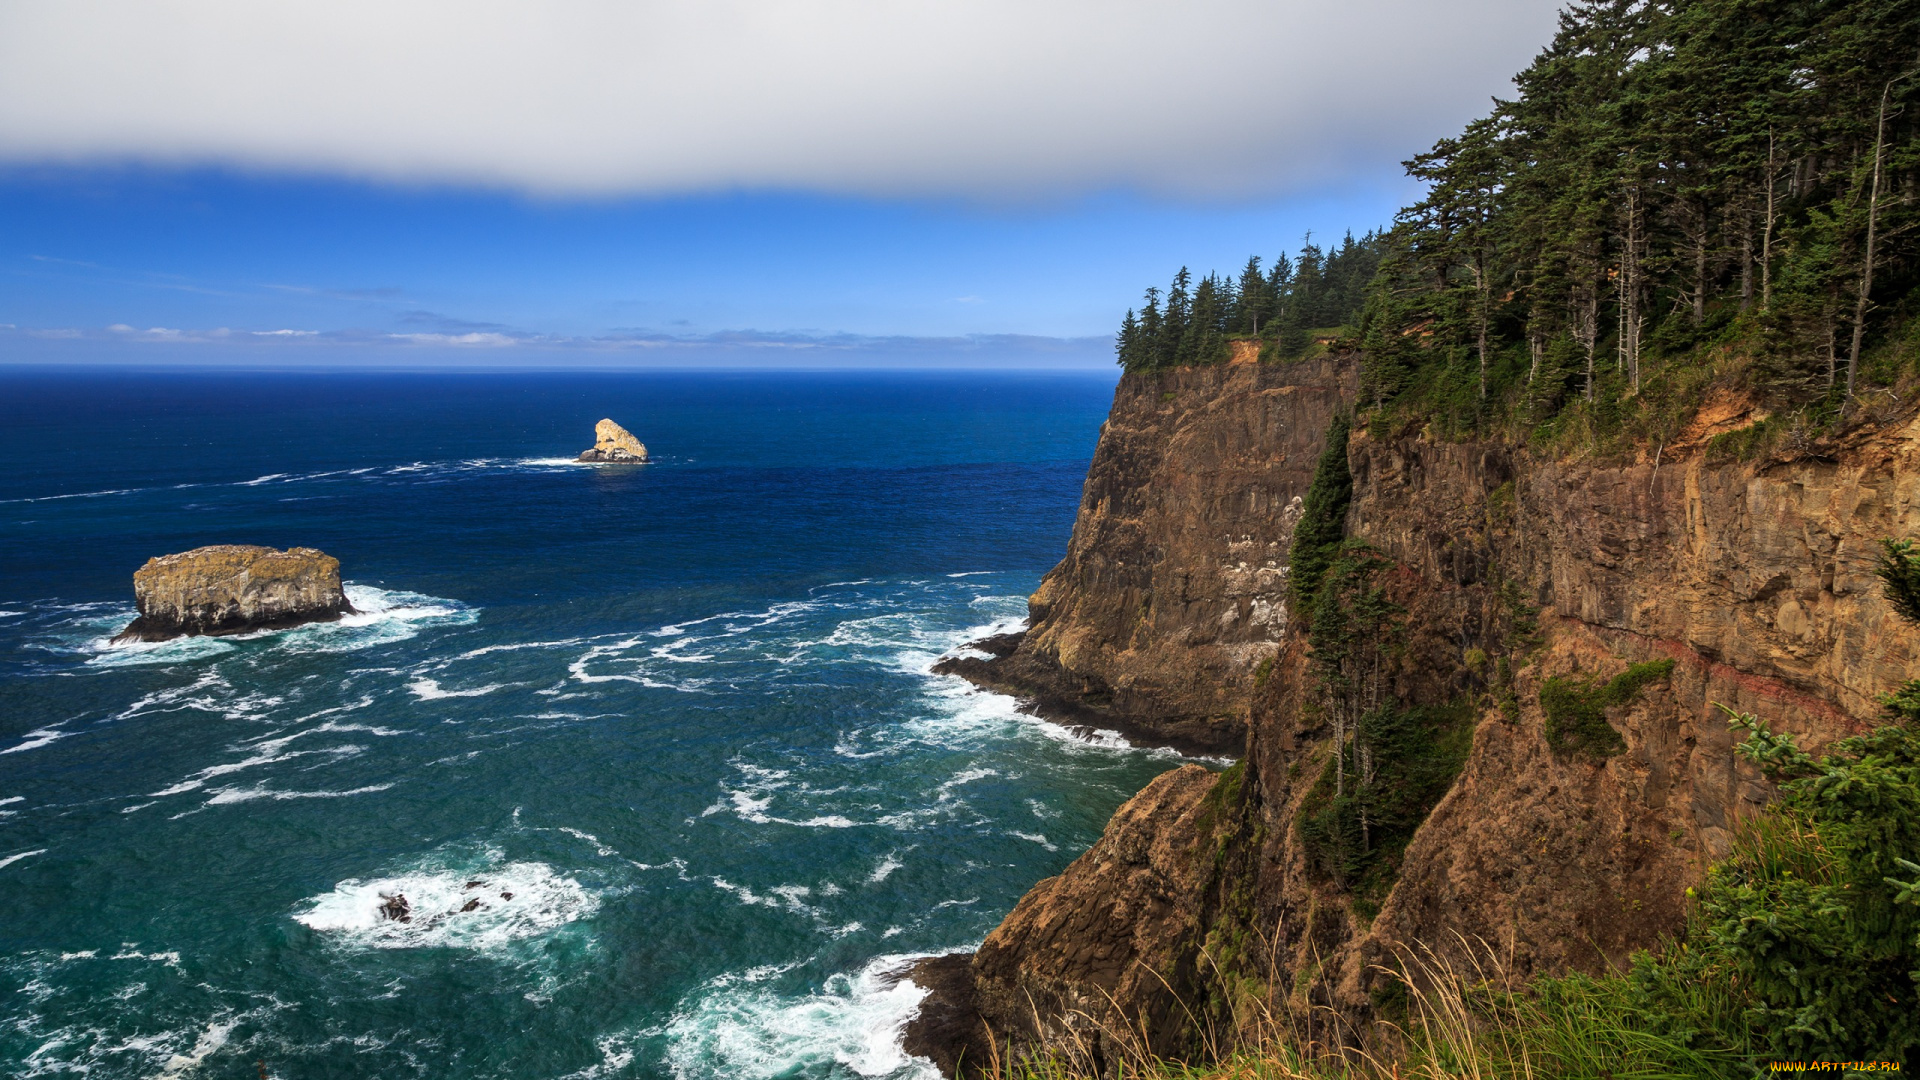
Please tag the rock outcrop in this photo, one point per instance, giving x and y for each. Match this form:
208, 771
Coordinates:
1173, 589
1754, 578
613, 444
234, 588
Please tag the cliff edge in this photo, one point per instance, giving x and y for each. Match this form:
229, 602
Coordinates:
1173, 589
1558, 638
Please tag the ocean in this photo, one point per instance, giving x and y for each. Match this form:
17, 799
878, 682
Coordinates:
673, 725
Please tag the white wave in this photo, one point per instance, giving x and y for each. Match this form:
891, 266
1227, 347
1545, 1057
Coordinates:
429, 690
75, 495
11, 859
887, 866
110, 653
267, 479
598, 846
965, 714
210, 1040
380, 616
12, 799
1035, 838
37, 738
480, 906
199, 780
228, 796
10, 614
854, 1022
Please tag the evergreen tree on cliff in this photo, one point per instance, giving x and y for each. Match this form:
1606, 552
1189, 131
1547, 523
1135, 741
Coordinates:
1323, 521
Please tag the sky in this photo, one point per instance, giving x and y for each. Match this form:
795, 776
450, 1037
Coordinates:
593, 183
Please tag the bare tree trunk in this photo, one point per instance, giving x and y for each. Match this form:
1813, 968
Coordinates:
1700, 274
1480, 289
1339, 748
1586, 328
1833, 349
1873, 221
1746, 261
1766, 242
1630, 318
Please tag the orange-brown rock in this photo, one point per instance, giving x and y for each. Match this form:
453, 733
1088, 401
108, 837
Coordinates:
1173, 589
614, 445
1116, 926
1756, 578
234, 588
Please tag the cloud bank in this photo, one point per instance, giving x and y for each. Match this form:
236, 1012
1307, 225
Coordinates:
971, 98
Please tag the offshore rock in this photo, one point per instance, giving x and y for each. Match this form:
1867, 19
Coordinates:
614, 444
234, 588
1173, 591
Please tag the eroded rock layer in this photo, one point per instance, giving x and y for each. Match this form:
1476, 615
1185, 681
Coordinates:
234, 588
1173, 589
1755, 579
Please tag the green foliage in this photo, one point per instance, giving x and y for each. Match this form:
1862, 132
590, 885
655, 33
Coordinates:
1674, 181
1282, 308
1323, 521
1576, 709
1899, 570
1410, 757
1812, 925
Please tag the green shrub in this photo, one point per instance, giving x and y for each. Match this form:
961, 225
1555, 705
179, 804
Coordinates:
1812, 924
1576, 709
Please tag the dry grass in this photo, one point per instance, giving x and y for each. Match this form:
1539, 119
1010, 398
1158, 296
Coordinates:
1468, 1018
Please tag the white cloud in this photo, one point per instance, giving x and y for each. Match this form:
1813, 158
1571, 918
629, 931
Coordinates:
984, 98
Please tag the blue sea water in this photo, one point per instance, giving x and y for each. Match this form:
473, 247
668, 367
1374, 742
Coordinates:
671, 725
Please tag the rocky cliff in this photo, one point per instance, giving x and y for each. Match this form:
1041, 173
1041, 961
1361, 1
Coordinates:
1173, 589
234, 588
1748, 584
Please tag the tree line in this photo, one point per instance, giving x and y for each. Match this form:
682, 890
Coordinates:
1672, 175
1192, 323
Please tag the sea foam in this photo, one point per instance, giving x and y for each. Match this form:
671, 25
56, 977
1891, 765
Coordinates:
481, 905
736, 1027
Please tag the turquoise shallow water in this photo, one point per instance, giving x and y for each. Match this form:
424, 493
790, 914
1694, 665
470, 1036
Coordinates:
681, 713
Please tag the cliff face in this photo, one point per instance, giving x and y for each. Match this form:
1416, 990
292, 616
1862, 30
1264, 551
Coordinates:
1756, 580
1173, 587
233, 588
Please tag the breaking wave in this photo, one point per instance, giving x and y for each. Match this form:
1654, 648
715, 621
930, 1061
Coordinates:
481, 905
737, 1027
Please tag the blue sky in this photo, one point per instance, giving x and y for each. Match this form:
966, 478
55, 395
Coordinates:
999, 200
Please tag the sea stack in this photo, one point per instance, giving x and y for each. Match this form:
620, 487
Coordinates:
234, 588
613, 443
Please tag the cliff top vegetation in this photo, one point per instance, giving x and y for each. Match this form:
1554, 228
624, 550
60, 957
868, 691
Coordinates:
1682, 194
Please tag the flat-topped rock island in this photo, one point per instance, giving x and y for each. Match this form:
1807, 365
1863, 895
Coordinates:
232, 589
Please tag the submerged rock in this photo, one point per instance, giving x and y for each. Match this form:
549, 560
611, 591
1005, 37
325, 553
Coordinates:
613, 443
234, 588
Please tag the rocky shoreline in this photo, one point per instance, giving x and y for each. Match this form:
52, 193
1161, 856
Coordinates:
1752, 580
1049, 693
